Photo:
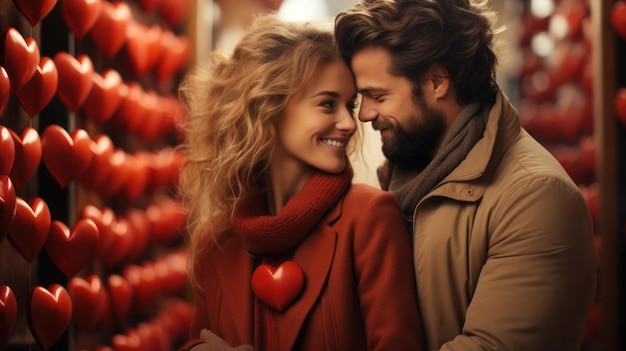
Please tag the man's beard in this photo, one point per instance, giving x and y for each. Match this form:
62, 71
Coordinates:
413, 146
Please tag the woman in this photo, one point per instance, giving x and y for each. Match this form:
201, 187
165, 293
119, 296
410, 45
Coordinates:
286, 253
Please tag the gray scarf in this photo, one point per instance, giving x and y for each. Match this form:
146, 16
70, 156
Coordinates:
410, 186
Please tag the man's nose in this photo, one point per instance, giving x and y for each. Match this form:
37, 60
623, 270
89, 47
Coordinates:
367, 112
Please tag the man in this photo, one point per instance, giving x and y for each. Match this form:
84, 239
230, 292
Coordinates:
503, 240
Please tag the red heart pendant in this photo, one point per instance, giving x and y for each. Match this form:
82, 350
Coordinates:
7, 205
35, 11
89, 299
71, 250
5, 90
40, 89
27, 156
7, 151
8, 314
109, 31
104, 97
75, 79
30, 227
121, 298
66, 156
80, 15
49, 314
21, 58
278, 287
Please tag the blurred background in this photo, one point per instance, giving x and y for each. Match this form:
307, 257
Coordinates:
92, 249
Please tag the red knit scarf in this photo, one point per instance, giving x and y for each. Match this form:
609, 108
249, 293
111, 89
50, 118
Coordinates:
279, 235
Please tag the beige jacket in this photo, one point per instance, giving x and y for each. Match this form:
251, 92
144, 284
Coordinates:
503, 248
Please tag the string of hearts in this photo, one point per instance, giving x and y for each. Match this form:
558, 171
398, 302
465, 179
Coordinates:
81, 15
90, 303
96, 163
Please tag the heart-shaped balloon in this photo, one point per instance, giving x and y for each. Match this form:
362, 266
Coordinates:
89, 299
121, 298
49, 313
35, 11
71, 250
104, 97
21, 58
5, 90
30, 227
27, 156
75, 79
8, 314
7, 151
109, 31
618, 17
278, 286
80, 15
40, 89
7, 205
100, 166
66, 156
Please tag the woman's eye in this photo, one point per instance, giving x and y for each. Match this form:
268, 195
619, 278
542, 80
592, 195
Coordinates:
352, 106
328, 104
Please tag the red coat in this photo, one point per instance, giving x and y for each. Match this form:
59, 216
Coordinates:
359, 289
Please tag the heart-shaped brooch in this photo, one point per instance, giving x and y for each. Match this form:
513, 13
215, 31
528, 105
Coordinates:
278, 286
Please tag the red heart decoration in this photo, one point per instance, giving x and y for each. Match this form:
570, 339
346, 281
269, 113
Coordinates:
27, 156
139, 176
7, 205
278, 287
71, 250
109, 31
5, 90
178, 52
118, 176
166, 218
121, 295
100, 165
620, 105
21, 58
148, 5
104, 97
80, 15
130, 341
150, 127
137, 48
35, 11
174, 11
130, 112
8, 314
143, 281
618, 17
30, 227
49, 314
7, 151
75, 79
122, 243
66, 156
40, 89
103, 220
89, 299
141, 233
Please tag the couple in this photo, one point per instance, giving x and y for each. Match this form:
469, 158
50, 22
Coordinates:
481, 241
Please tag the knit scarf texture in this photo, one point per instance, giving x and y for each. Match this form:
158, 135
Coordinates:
410, 186
265, 235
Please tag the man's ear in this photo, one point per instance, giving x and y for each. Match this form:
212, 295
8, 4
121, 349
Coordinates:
441, 80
